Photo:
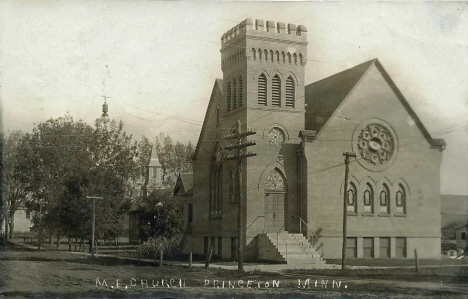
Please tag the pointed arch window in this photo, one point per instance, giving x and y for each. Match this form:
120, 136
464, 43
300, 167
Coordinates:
234, 94
241, 92
262, 88
254, 53
276, 91
400, 200
351, 199
384, 200
233, 186
368, 199
216, 180
229, 97
290, 92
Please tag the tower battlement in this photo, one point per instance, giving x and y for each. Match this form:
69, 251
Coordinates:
267, 30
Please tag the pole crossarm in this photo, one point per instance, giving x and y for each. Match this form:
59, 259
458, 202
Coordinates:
241, 145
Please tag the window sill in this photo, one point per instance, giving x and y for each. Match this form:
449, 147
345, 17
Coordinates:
368, 214
399, 215
352, 214
384, 215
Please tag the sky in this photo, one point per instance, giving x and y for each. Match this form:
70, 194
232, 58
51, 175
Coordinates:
157, 61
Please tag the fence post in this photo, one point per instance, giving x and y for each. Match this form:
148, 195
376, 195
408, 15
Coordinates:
161, 254
416, 259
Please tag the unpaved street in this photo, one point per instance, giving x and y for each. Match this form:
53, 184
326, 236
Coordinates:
61, 274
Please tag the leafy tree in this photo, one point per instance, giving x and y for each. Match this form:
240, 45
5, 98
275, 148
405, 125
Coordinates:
175, 158
69, 160
14, 192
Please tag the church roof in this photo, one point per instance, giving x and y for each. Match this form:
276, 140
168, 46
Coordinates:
185, 184
324, 97
154, 161
217, 85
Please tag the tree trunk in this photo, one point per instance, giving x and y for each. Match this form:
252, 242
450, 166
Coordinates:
51, 241
58, 240
90, 245
12, 225
76, 239
70, 245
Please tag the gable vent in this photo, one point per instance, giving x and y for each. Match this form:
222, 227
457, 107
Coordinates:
276, 91
262, 90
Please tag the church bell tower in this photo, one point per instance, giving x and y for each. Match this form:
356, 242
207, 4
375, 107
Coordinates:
263, 71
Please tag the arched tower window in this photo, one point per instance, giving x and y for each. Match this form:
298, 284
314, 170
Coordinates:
259, 54
283, 56
290, 92
384, 200
276, 91
234, 94
351, 203
262, 88
301, 59
368, 199
216, 181
277, 56
295, 58
400, 200
266, 54
229, 96
254, 53
272, 57
241, 92
289, 58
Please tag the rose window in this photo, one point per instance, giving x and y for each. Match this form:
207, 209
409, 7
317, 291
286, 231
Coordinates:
276, 137
375, 144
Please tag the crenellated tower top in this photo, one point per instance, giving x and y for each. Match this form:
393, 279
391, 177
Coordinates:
270, 30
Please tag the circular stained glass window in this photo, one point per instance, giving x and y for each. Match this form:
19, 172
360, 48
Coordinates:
276, 137
376, 144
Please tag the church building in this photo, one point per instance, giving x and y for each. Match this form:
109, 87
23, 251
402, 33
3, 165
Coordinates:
293, 188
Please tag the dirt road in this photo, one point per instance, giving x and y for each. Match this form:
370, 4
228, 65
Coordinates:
26, 273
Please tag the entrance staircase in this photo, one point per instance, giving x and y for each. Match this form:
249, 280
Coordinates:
295, 249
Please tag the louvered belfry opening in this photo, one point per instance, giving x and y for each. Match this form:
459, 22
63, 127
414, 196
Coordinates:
262, 87
229, 95
290, 92
241, 92
234, 95
276, 92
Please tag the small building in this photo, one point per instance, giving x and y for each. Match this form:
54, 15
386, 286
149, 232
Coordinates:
462, 238
183, 193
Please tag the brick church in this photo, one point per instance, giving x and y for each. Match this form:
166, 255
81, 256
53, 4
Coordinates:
293, 188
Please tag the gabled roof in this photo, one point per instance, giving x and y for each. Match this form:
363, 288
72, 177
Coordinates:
218, 85
184, 184
324, 97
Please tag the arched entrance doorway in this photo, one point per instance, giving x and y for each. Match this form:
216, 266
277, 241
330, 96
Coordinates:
275, 194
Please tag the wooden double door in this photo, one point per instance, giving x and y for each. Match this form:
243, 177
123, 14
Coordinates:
275, 211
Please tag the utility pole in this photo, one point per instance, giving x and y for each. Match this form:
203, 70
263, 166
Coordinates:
239, 145
94, 223
347, 155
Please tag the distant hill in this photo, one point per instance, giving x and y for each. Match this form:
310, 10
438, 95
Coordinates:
454, 208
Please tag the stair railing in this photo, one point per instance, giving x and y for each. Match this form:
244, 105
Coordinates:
301, 221
278, 235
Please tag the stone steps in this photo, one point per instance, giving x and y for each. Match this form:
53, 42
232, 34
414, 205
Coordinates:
298, 250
